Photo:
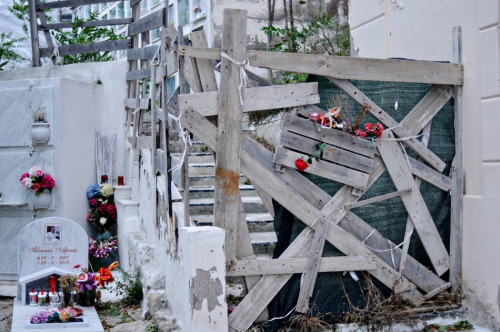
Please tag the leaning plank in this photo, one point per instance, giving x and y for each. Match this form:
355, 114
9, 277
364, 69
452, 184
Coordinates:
303, 190
205, 66
377, 199
62, 25
256, 99
430, 175
299, 265
138, 74
312, 267
147, 52
153, 20
132, 103
420, 275
401, 176
389, 122
35, 44
69, 3
330, 152
227, 163
438, 290
323, 168
348, 67
330, 136
108, 45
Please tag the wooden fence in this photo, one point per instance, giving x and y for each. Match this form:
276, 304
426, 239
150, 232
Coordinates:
214, 113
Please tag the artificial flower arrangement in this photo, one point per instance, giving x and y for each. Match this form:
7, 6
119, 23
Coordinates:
105, 276
102, 249
335, 118
196, 9
102, 212
86, 281
54, 315
37, 180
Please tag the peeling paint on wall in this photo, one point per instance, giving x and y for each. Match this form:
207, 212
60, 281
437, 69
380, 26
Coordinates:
205, 286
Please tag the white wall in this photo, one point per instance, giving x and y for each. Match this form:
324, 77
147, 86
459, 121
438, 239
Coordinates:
423, 30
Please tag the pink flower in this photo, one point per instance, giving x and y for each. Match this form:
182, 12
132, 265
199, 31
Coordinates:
379, 130
36, 171
48, 182
369, 128
26, 182
360, 133
82, 277
92, 201
36, 186
25, 175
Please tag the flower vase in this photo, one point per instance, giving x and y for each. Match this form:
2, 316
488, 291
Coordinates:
87, 297
43, 200
67, 299
40, 132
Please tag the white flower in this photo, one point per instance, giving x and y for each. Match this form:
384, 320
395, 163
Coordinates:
106, 189
26, 183
103, 221
36, 171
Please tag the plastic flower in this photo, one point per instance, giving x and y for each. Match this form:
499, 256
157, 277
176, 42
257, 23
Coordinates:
48, 182
360, 133
86, 280
64, 316
82, 277
301, 165
36, 171
105, 276
92, 202
107, 189
369, 128
36, 186
92, 191
196, 9
26, 182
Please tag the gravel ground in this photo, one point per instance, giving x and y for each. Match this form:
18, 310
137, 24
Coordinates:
6, 304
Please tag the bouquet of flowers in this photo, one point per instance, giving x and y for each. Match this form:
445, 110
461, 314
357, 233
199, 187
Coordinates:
102, 249
86, 281
105, 275
54, 315
37, 180
102, 212
196, 9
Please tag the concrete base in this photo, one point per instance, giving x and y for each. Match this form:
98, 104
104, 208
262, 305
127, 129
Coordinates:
22, 314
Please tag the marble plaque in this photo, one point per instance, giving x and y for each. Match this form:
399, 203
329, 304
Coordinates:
51, 243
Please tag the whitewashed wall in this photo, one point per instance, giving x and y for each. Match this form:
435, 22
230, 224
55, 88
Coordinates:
423, 30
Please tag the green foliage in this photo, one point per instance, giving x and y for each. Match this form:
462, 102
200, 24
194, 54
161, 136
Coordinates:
152, 328
84, 35
320, 35
7, 46
131, 288
462, 325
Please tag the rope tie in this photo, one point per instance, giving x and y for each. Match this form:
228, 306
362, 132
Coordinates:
385, 250
56, 54
184, 135
243, 78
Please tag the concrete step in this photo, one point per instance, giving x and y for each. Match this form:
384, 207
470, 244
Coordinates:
263, 243
208, 180
197, 158
206, 205
208, 191
195, 147
201, 169
257, 222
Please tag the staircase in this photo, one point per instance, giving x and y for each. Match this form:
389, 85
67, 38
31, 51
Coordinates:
201, 195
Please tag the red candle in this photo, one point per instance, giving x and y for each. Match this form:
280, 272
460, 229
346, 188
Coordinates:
53, 284
120, 180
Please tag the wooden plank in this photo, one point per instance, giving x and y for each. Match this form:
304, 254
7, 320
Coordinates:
147, 52
205, 66
142, 142
330, 153
323, 168
256, 163
312, 268
389, 122
108, 45
63, 25
172, 64
437, 290
419, 274
48, 37
266, 199
256, 99
401, 176
150, 22
170, 35
335, 137
138, 74
427, 107
227, 163
161, 166
430, 175
134, 2
173, 103
377, 199
299, 265
35, 44
353, 68
144, 103
340, 67
69, 3
457, 174
191, 74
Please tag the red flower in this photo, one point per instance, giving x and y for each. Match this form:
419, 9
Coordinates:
48, 182
36, 186
360, 133
379, 130
313, 116
369, 128
301, 165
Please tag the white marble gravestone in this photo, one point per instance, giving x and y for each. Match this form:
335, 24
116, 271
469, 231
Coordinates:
48, 246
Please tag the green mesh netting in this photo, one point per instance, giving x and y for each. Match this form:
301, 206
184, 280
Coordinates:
388, 217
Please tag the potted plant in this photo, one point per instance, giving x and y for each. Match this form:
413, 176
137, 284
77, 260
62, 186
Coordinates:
40, 131
41, 184
198, 12
68, 285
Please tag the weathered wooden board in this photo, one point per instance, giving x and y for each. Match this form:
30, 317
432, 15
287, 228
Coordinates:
299, 265
109, 45
62, 25
227, 163
334, 137
330, 152
402, 178
377, 199
312, 267
389, 122
69, 3
430, 175
256, 99
150, 22
138, 74
144, 103
205, 66
35, 43
348, 67
323, 168
143, 53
